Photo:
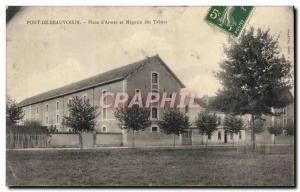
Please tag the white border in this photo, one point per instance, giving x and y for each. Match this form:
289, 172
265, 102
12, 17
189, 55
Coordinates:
4, 3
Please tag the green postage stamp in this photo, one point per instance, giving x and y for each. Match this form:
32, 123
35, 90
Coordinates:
229, 18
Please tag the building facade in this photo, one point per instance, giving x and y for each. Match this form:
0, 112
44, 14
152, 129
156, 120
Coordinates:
148, 75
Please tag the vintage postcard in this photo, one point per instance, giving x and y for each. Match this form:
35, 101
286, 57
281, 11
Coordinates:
152, 96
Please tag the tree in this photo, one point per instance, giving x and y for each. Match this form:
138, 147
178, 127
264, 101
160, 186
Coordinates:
133, 118
259, 126
290, 129
233, 123
81, 116
174, 122
206, 123
14, 113
255, 77
275, 130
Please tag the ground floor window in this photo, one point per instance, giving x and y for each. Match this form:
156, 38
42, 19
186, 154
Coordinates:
104, 129
154, 129
240, 135
231, 135
219, 135
47, 120
209, 137
57, 118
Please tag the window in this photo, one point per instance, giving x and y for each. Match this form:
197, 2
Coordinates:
137, 92
104, 110
69, 101
46, 108
154, 129
37, 113
154, 114
24, 111
57, 105
219, 135
186, 108
219, 121
57, 118
104, 113
209, 137
154, 78
154, 81
240, 135
231, 135
105, 98
47, 120
104, 129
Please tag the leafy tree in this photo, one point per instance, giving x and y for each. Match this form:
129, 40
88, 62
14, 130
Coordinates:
81, 116
14, 113
174, 122
206, 123
255, 77
133, 118
259, 126
275, 130
233, 123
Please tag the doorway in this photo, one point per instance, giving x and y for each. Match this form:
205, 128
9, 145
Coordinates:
225, 136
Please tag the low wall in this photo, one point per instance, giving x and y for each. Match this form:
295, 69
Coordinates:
199, 139
145, 138
88, 140
108, 139
282, 139
64, 140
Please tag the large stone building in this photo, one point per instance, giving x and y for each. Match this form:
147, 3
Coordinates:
148, 75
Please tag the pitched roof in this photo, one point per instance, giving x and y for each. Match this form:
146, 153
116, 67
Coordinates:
114, 75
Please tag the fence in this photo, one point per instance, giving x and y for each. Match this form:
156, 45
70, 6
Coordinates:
19, 141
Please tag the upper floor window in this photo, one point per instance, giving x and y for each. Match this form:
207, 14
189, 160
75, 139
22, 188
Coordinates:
69, 101
154, 81
84, 97
57, 104
37, 109
24, 112
154, 113
154, 78
104, 95
137, 92
46, 107
104, 113
219, 120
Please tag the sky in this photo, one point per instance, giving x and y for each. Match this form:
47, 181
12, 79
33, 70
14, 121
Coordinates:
43, 57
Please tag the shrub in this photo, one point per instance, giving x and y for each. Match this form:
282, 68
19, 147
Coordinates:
29, 127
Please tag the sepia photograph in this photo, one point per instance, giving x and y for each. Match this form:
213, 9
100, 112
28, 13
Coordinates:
150, 96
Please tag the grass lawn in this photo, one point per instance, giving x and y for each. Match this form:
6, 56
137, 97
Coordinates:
150, 167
